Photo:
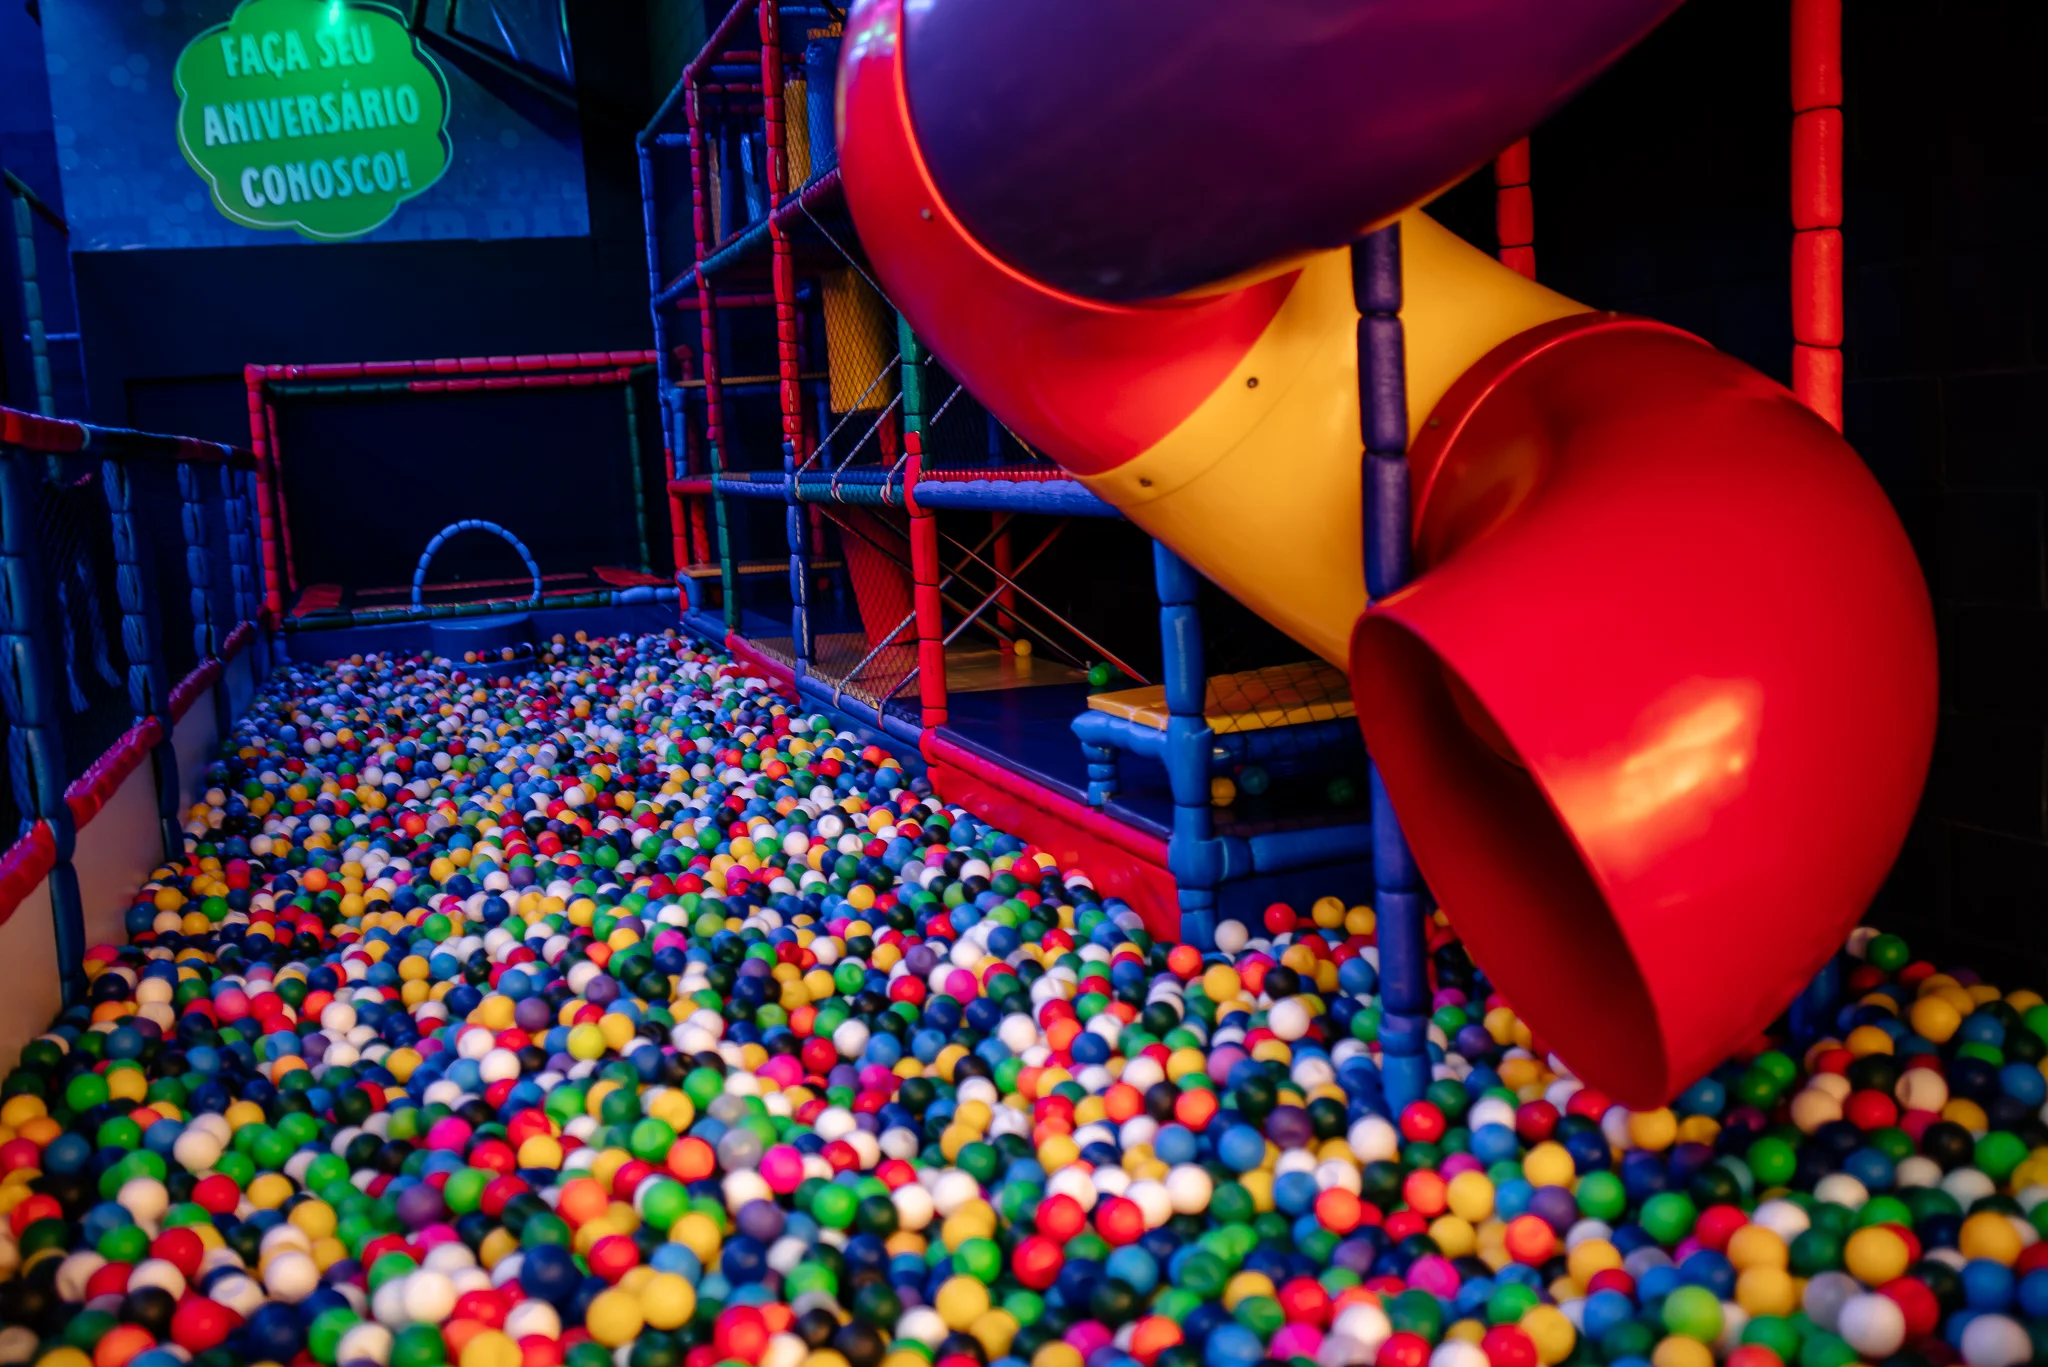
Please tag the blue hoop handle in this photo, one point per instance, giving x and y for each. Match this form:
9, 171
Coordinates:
419, 575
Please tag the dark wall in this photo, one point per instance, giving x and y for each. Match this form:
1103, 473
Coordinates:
167, 332
28, 150
1664, 190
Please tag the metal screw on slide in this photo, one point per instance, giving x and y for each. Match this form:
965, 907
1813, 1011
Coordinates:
419, 574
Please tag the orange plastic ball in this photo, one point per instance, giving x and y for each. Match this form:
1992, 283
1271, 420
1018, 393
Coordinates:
1530, 1240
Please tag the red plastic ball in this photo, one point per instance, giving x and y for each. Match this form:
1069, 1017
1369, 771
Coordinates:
1535, 1121
485, 1307
1917, 1300
1280, 918
740, 1332
111, 1279
1037, 1262
1306, 1301
1870, 1110
1403, 1350
1754, 1355
1717, 1225
1119, 1221
1422, 1122
181, 1248
199, 1324
1061, 1217
1590, 1103
536, 1351
1611, 1279
1507, 1346
217, 1195
1403, 1224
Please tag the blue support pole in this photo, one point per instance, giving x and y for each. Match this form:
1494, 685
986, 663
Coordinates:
206, 628
796, 525
1188, 739
1399, 897
240, 488
149, 690
28, 696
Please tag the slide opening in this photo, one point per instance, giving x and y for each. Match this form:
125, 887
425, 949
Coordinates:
1504, 867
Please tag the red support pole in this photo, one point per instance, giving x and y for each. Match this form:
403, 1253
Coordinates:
1514, 210
925, 576
266, 517
284, 512
782, 260
1817, 206
707, 316
1005, 558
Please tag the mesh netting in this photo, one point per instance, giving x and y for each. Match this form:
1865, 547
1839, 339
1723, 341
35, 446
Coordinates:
854, 412
82, 611
1075, 592
443, 456
1284, 717
756, 532
159, 509
863, 631
220, 592
961, 435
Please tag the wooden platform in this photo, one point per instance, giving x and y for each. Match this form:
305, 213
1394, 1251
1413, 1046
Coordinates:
752, 567
1256, 700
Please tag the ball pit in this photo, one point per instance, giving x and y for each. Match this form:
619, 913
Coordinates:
606, 1009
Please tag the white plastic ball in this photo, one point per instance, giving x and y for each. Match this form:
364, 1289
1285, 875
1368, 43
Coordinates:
291, 1276
1873, 1325
1996, 1341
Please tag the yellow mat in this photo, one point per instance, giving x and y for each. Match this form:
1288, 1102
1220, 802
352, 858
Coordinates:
1256, 700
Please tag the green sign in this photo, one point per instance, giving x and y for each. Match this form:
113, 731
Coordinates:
321, 116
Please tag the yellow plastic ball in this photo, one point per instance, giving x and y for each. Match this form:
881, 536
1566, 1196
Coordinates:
1551, 1332
1682, 1352
1549, 1164
1471, 1196
1591, 1257
1935, 1017
586, 1042
961, 1301
1654, 1130
614, 1318
1988, 1234
1757, 1246
668, 1301
491, 1348
1766, 1291
1875, 1255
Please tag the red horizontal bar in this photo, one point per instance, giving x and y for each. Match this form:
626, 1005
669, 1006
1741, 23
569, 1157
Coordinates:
88, 794
193, 686
1001, 474
62, 436
1136, 843
26, 863
447, 365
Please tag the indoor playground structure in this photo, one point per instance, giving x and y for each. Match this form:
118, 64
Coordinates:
1090, 761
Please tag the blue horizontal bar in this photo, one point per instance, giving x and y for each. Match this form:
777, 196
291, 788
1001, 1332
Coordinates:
889, 724
1283, 850
739, 486
1062, 496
